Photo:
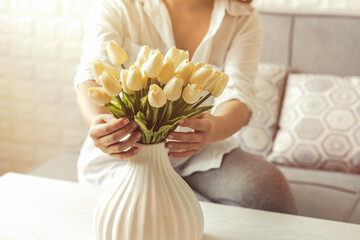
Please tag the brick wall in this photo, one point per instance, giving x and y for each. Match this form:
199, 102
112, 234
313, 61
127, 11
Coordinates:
40, 46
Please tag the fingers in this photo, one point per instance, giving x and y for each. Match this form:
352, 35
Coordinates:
195, 123
123, 145
107, 131
102, 129
183, 146
119, 134
186, 136
104, 118
127, 154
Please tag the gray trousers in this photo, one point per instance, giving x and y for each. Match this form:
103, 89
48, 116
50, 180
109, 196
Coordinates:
245, 180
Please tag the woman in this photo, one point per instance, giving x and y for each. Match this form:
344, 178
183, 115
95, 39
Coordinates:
224, 33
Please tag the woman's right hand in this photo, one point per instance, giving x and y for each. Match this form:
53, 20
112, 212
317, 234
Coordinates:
106, 132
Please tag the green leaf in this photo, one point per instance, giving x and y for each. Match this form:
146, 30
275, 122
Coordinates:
118, 113
129, 103
161, 134
153, 116
140, 119
143, 104
169, 111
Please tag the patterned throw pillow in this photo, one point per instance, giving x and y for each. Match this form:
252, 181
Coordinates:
257, 137
320, 124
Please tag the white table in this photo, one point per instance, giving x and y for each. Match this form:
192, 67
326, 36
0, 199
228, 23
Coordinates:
43, 209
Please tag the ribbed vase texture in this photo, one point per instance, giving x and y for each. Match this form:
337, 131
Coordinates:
150, 202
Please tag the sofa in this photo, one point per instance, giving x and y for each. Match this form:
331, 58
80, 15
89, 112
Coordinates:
325, 45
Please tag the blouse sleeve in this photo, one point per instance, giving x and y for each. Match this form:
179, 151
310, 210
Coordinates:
241, 64
101, 26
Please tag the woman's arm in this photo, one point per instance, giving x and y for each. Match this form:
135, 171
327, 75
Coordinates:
88, 110
230, 117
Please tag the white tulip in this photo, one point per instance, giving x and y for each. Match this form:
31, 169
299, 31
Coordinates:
111, 85
211, 80
156, 96
111, 70
201, 75
167, 71
153, 65
134, 79
99, 96
217, 89
198, 65
173, 88
97, 69
116, 54
192, 93
185, 69
144, 52
123, 79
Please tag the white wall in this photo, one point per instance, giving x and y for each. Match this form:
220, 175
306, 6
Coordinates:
40, 45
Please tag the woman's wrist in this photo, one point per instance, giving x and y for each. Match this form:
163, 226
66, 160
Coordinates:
214, 135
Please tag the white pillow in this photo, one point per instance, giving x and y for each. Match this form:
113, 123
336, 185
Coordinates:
257, 137
320, 123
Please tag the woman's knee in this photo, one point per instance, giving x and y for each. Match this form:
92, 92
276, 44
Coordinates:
259, 184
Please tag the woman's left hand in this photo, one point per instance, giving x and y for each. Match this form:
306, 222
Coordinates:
189, 143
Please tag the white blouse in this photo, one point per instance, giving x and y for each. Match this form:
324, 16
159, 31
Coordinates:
232, 45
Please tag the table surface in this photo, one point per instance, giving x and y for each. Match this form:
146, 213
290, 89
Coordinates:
40, 208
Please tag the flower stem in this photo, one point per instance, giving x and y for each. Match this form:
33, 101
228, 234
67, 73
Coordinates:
122, 105
201, 101
163, 113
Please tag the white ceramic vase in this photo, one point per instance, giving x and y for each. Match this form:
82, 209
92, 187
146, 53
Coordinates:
150, 202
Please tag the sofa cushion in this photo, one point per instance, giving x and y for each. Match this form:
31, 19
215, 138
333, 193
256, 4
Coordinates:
257, 137
325, 194
319, 124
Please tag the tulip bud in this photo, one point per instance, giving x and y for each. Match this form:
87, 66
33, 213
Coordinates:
198, 65
200, 75
134, 79
211, 80
173, 88
171, 53
156, 96
183, 55
111, 70
139, 62
144, 52
217, 88
99, 96
111, 86
152, 52
175, 55
192, 93
167, 71
97, 69
185, 69
123, 79
152, 67
116, 54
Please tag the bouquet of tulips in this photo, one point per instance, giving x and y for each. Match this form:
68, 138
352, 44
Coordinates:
157, 92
